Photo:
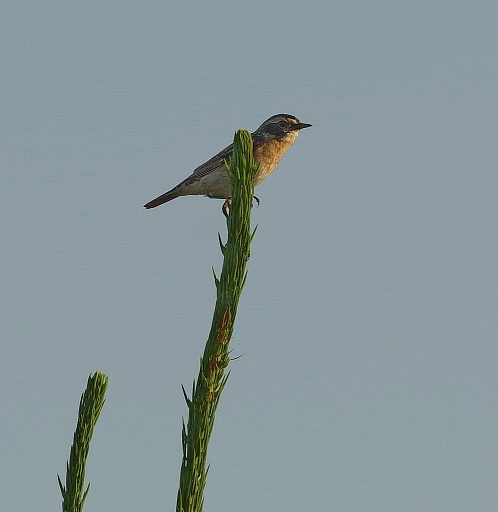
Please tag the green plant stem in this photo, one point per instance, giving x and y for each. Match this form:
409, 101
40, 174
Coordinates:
91, 404
207, 389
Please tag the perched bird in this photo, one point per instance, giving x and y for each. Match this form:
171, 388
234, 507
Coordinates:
270, 141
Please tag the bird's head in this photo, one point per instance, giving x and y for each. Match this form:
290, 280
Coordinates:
282, 127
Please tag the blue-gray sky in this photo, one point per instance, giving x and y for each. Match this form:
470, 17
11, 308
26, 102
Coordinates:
368, 325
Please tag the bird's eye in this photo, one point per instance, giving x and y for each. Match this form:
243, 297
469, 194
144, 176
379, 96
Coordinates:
282, 124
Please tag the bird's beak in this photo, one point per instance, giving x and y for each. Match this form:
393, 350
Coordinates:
299, 126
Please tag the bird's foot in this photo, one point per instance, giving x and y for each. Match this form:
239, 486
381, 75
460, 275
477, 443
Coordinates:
226, 207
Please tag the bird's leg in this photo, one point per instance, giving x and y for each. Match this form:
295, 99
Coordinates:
226, 207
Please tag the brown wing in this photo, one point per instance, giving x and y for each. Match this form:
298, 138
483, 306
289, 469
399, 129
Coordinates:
218, 160
212, 164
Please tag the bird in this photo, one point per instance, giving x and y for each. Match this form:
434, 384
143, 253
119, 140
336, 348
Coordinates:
270, 141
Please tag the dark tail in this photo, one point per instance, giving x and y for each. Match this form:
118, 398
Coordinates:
168, 196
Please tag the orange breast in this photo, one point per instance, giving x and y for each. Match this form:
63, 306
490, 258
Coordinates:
269, 154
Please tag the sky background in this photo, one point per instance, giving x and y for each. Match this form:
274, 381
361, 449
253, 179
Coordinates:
368, 326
